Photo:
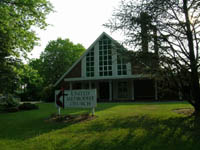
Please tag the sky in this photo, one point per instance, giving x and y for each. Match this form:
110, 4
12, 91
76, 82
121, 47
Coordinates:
79, 20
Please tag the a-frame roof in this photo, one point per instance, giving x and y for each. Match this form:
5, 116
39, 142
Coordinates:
84, 54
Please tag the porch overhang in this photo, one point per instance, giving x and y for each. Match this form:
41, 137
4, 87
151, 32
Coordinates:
139, 76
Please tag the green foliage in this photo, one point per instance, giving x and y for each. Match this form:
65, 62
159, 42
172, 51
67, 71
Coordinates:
117, 126
56, 59
30, 83
17, 37
11, 101
48, 93
17, 17
8, 75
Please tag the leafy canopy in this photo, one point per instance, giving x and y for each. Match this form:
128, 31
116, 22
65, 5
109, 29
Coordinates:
17, 37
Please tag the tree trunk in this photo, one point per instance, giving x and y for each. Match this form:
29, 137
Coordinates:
195, 89
144, 32
196, 110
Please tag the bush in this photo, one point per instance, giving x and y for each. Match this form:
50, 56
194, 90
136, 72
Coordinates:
11, 109
10, 101
28, 106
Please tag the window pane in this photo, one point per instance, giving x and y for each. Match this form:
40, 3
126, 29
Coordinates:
124, 66
124, 72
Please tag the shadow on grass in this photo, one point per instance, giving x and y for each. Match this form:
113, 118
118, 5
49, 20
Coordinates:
142, 132
28, 124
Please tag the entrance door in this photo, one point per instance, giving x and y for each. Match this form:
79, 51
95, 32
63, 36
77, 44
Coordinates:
144, 89
104, 91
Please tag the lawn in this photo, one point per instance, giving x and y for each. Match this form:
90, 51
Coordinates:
117, 126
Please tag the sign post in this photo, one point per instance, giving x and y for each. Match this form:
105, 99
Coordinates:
59, 111
58, 95
93, 110
77, 99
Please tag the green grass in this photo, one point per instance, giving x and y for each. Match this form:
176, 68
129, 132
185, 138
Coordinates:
118, 126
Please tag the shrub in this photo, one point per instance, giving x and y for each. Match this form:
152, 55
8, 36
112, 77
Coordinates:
10, 101
28, 106
11, 109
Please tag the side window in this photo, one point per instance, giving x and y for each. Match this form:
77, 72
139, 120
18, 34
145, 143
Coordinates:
90, 63
121, 66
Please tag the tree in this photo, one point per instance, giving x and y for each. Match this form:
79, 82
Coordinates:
173, 27
17, 37
30, 83
56, 59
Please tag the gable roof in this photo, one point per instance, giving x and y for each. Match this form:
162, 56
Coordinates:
84, 54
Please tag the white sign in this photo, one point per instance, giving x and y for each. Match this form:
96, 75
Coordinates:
79, 98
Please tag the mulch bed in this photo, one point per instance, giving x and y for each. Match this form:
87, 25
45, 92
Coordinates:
70, 118
184, 111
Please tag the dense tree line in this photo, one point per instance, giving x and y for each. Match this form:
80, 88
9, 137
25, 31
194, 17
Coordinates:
17, 17
54, 61
32, 81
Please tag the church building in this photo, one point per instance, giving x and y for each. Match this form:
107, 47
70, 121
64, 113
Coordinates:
103, 68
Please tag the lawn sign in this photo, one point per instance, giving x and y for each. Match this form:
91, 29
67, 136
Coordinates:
76, 99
